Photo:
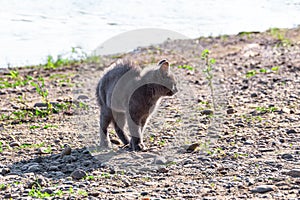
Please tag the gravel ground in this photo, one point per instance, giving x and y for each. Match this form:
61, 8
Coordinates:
242, 142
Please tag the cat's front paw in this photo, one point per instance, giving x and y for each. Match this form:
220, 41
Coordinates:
137, 145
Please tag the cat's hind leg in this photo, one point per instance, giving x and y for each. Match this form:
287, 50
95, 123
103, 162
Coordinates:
119, 123
105, 119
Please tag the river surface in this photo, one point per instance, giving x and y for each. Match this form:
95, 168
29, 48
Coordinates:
33, 29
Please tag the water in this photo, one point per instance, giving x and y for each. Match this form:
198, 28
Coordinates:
32, 29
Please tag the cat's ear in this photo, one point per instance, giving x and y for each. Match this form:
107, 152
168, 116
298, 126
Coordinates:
164, 67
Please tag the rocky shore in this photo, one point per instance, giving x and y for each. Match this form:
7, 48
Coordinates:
232, 135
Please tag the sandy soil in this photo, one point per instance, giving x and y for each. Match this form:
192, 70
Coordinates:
247, 134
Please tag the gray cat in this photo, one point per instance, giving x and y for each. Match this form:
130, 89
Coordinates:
128, 94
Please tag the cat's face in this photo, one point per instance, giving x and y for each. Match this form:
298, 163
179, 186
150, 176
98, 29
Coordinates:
167, 78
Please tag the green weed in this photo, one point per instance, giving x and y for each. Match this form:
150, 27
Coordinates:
275, 69
267, 109
13, 80
82, 193
162, 142
279, 35
25, 145
188, 67
251, 73
1, 147
3, 186
208, 71
105, 175
37, 193
254, 72
90, 177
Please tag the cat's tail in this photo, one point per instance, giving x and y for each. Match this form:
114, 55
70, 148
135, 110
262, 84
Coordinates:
98, 95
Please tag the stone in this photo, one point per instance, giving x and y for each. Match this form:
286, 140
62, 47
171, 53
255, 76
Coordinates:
162, 170
207, 112
286, 156
82, 97
291, 131
263, 189
115, 141
230, 111
192, 147
34, 168
66, 151
266, 149
4, 171
53, 168
48, 190
78, 174
14, 144
144, 193
160, 160
293, 173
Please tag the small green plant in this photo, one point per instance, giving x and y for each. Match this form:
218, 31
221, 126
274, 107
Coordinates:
105, 175
82, 193
279, 35
1, 147
208, 71
151, 138
275, 69
262, 70
90, 177
162, 142
3, 186
188, 67
33, 127
267, 109
25, 145
43, 92
14, 80
58, 193
251, 73
37, 193
71, 190
49, 126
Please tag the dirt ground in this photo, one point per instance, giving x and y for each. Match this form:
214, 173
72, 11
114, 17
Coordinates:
244, 123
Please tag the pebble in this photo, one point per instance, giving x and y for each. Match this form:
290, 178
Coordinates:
192, 147
104, 190
53, 168
293, 173
78, 174
66, 151
149, 183
47, 190
287, 156
291, 131
263, 188
144, 193
82, 97
4, 171
231, 111
160, 160
207, 112
14, 144
162, 170
34, 168
266, 149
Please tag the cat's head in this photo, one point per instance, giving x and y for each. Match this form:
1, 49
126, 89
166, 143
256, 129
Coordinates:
167, 78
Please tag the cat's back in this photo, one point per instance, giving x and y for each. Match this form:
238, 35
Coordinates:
121, 69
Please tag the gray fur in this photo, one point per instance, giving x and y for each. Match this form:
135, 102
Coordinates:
127, 94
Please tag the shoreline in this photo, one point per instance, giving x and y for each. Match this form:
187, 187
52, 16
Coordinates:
257, 155
83, 54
